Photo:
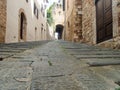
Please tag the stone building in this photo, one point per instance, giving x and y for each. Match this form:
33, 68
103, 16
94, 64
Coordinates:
58, 20
73, 20
58, 16
100, 22
22, 20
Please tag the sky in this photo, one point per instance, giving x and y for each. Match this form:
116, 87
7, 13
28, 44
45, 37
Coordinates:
51, 1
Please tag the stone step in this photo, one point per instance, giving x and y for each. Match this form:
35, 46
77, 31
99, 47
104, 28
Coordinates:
10, 50
90, 50
25, 44
17, 48
5, 56
95, 56
103, 62
94, 53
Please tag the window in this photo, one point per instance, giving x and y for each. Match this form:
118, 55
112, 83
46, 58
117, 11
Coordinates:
36, 12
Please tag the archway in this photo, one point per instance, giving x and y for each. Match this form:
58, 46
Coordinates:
59, 31
23, 27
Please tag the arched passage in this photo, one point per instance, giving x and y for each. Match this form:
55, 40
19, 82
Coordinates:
59, 30
23, 27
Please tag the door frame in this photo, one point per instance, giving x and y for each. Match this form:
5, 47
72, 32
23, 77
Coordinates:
21, 11
105, 39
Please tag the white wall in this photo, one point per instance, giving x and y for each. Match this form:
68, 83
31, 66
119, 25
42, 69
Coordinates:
12, 27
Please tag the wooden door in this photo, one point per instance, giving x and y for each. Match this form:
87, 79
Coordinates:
104, 20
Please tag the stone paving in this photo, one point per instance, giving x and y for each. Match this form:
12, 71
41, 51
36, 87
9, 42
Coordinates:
58, 65
7, 50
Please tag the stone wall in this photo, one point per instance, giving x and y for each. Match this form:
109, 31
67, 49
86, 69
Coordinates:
119, 21
74, 20
87, 21
82, 28
68, 20
2, 20
89, 24
115, 41
68, 33
78, 21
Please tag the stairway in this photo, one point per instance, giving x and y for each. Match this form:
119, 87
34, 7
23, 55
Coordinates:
10, 49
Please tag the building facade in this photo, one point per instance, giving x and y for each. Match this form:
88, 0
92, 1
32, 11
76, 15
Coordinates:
100, 22
57, 16
23, 21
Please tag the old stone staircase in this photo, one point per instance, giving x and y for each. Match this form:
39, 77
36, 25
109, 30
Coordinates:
10, 49
99, 67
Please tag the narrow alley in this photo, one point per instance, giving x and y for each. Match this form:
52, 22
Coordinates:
58, 65
59, 44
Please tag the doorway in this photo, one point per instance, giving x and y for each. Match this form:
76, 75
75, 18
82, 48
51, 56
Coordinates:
104, 20
59, 31
23, 27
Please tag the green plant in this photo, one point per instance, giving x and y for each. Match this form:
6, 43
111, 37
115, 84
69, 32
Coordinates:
49, 62
49, 15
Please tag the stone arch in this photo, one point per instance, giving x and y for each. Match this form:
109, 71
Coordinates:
59, 30
22, 25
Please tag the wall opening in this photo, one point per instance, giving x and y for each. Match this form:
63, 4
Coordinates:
23, 27
104, 20
59, 31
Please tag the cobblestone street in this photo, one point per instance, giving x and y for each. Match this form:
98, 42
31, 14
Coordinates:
58, 65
